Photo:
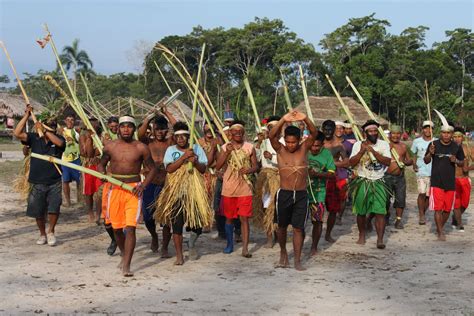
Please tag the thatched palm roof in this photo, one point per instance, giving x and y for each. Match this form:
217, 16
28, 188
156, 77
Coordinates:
12, 105
328, 108
120, 106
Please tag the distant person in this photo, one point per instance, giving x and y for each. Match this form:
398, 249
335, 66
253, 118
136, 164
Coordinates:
71, 154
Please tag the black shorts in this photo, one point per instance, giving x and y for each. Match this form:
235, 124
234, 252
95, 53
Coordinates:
397, 187
44, 198
291, 208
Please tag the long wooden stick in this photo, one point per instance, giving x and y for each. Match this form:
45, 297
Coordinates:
195, 102
94, 105
429, 109
285, 90
163, 77
275, 100
20, 84
305, 95
355, 128
394, 152
84, 170
95, 138
252, 103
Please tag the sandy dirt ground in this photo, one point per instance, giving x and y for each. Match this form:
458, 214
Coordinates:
415, 274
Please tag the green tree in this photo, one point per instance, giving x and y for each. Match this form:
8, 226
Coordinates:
77, 60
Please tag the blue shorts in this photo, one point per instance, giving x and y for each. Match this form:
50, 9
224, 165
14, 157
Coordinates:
150, 195
70, 174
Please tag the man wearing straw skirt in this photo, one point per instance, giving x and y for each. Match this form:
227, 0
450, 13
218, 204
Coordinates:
71, 154
292, 196
45, 178
370, 159
158, 146
176, 158
268, 182
125, 157
239, 159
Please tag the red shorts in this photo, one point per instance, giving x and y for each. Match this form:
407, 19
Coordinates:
441, 200
463, 192
336, 193
237, 206
91, 183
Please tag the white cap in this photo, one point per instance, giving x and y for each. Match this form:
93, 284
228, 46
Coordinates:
428, 123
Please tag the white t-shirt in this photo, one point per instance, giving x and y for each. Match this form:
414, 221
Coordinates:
366, 168
267, 146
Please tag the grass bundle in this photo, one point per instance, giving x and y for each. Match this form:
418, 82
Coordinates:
395, 154
184, 194
21, 184
268, 183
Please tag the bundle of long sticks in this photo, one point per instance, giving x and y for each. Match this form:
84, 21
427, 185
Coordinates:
395, 154
305, 95
285, 90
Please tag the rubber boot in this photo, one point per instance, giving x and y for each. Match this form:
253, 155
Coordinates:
193, 254
229, 233
113, 244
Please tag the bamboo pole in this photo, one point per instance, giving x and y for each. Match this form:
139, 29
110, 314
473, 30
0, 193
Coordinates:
285, 90
98, 144
252, 103
429, 109
394, 152
305, 94
275, 100
20, 84
163, 77
356, 130
195, 101
84, 170
94, 105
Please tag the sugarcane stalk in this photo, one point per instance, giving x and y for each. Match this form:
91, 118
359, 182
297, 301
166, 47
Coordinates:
163, 77
94, 105
254, 107
132, 112
195, 103
275, 101
394, 152
20, 84
98, 144
356, 130
84, 170
285, 90
305, 94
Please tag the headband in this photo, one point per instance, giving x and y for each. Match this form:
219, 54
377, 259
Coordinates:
181, 132
235, 126
225, 128
272, 123
370, 126
339, 123
127, 119
447, 128
458, 133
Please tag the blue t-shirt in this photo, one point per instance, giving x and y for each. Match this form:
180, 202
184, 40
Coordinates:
173, 153
419, 148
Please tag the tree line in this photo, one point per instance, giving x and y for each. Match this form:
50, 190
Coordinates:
389, 70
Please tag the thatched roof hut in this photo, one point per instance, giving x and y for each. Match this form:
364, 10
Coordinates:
120, 106
13, 106
325, 108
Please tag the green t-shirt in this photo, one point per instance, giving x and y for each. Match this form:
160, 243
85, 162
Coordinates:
322, 162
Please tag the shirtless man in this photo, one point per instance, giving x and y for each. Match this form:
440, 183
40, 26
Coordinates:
395, 177
336, 191
126, 157
90, 156
157, 145
292, 197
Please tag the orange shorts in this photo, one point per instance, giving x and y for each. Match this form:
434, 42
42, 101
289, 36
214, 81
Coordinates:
122, 208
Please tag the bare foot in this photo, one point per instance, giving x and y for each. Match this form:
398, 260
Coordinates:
313, 252
299, 267
361, 241
246, 254
330, 239
179, 261
283, 263
269, 243
165, 254
127, 274
380, 244
442, 237
154, 244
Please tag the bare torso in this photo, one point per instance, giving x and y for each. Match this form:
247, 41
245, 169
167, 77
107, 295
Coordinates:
293, 168
126, 159
460, 173
401, 149
158, 150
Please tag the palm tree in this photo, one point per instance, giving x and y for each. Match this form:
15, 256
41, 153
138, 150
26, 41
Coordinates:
76, 59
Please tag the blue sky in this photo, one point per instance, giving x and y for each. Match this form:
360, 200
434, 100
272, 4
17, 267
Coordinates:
108, 29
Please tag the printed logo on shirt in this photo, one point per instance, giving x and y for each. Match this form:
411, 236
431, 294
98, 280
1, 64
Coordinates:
176, 155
